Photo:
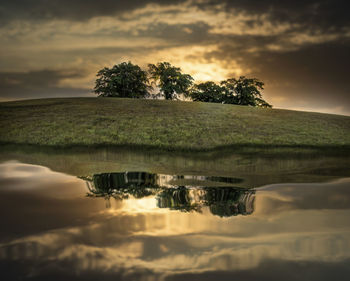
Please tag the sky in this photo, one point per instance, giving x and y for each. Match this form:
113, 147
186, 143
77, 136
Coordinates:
300, 49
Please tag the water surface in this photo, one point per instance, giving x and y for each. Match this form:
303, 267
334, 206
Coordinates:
119, 215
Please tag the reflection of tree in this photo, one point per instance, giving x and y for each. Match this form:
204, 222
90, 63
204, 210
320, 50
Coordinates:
121, 185
227, 202
222, 201
178, 199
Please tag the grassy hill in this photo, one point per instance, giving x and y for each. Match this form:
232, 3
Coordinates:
171, 125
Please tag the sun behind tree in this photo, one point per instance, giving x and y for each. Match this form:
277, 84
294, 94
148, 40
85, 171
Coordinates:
127, 80
170, 80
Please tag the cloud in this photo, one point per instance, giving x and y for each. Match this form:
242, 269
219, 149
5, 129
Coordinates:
310, 14
298, 48
319, 12
69, 10
314, 75
180, 34
36, 84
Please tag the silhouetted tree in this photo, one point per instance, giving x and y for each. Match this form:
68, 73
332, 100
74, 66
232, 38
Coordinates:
124, 80
244, 91
169, 79
208, 92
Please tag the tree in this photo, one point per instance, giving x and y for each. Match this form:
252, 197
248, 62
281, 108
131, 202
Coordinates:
244, 91
169, 79
208, 92
124, 80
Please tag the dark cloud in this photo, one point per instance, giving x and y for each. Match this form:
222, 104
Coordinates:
239, 47
182, 34
312, 70
320, 14
328, 15
318, 73
315, 73
36, 84
71, 10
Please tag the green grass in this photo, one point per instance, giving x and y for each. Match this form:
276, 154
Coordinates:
170, 125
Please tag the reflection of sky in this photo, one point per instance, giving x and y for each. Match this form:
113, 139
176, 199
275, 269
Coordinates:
293, 224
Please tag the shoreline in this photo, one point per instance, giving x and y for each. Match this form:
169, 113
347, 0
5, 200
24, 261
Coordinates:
239, 149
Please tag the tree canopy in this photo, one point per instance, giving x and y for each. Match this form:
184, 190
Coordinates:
242, 91
208, 92
127, 80
169, 79
124, 80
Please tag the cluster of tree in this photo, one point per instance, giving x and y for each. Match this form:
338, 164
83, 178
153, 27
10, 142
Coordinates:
222, 201
242, 91
127, 80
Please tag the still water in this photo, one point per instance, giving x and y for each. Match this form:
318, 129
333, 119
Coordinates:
132, 215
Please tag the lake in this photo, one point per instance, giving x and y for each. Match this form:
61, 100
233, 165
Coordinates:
123, 214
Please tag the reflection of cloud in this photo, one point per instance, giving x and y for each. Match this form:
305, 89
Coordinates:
271, 269
24, 176
40, 199
294, 224
183, 255
334, 195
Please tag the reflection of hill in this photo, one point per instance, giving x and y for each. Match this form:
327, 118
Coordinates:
256, 166
223, 201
